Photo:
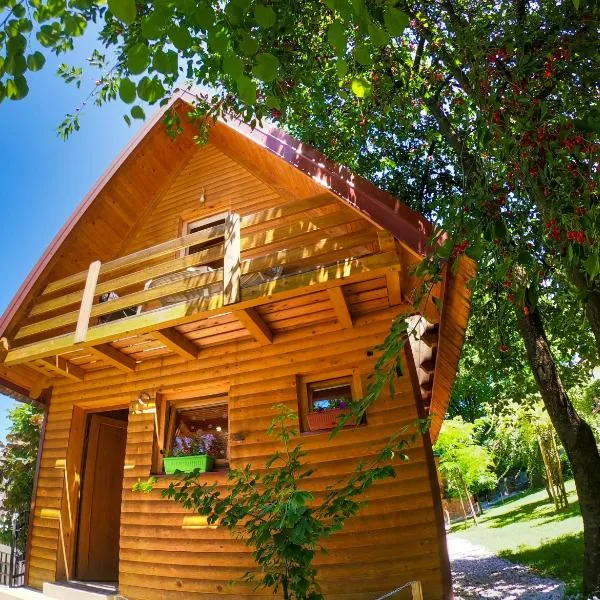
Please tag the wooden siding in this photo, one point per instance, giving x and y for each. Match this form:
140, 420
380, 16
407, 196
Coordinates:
226, 185
395, 538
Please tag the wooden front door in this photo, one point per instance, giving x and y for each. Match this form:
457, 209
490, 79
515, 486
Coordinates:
100, 508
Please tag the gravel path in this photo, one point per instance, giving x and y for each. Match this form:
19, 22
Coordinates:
478, 575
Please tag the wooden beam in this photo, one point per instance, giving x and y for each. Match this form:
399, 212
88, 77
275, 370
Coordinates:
430, 336
393, 287
254, 323
141, 256
87, 300
177, 342
41, 384
63, 367
231, 260
351, 270
428, 365
340, 306
115, 357
417, 590
4, 347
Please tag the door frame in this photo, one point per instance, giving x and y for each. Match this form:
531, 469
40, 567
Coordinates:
66, 563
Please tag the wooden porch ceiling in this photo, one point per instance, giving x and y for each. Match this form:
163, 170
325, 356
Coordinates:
336, 294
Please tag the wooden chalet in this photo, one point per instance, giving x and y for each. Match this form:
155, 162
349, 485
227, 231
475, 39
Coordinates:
201, 285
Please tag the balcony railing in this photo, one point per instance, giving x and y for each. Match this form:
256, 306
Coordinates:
240, 262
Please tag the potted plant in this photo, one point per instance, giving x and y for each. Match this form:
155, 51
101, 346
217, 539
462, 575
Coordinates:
325, 413
191, 454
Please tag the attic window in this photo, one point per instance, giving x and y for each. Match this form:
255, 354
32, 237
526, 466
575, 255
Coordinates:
204, 225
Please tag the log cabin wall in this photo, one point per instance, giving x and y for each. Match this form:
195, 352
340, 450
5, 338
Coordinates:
164, 553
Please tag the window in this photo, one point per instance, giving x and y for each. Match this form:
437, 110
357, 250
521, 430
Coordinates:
202, 420
323, 400
203, 225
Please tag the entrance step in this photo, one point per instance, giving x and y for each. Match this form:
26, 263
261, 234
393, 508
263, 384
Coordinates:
7, 593
79, 590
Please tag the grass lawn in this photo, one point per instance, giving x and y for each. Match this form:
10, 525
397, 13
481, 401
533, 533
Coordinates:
527, 530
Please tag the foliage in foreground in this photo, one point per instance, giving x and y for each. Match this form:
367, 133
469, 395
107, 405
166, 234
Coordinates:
274, 512
17, 467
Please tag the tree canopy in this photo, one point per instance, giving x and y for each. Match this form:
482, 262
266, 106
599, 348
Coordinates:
482, 115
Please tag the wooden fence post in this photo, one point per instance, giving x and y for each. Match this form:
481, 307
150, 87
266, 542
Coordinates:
231, 260
87, 300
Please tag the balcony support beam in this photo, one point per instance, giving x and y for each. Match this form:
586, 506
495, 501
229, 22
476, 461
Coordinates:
177, 342
116, 358
255, 325
340, 306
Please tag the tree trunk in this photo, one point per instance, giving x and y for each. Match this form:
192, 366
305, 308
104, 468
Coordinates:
591, 302
576, 437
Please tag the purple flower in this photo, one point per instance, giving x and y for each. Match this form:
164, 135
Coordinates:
343, 404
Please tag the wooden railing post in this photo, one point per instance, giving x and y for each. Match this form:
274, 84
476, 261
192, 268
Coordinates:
417, 590
231, 260
85, 310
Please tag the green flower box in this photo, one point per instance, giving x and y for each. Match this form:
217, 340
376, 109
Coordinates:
187, 464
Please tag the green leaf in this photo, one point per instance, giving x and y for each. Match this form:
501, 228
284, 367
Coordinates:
36, 61
127, 91
248, 46
363, 55
395, 20
205, 16
266, 68
166, 62
336, 36
341, 67
273, 102
16, 88
124, 10
137, 112
218, 40
592, 265
150, 90
75, 25
181, 38
576, 4
16, 44
138, 58
152, 26
233, 65
378, 35
361, 87
264, 15
15, 64
247, 90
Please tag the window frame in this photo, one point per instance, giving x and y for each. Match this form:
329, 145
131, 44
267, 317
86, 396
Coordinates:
349, 377
165, 421
189, 223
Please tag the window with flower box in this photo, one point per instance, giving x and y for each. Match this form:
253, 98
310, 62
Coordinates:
193, 428
323, 400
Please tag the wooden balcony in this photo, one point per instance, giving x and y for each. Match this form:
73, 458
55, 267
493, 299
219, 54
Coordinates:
249, 278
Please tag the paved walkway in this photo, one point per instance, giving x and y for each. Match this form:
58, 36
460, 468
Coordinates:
480, 575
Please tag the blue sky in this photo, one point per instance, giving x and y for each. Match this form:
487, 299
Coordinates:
42, 178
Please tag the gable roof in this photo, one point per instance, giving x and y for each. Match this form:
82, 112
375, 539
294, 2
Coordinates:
268, 152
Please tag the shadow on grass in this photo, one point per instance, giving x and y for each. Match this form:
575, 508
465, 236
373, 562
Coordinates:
559, 558
541, 511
